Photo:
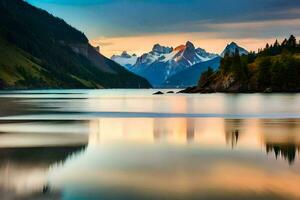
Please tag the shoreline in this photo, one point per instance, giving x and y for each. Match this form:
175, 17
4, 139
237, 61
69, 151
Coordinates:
195, 90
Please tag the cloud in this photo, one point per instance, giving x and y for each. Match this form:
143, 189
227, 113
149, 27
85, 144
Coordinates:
104, 44
210, 24
131, 17
259, 29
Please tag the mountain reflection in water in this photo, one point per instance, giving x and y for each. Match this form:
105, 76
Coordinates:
90, 145
278, 136
23, 171
161, 158
183, 158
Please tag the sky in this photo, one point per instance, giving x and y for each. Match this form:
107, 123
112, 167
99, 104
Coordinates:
136, 25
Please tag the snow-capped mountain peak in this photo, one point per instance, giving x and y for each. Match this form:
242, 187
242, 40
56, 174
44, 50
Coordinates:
125, 59
187, 47
125, 55
231, 49
157, 48
189, 55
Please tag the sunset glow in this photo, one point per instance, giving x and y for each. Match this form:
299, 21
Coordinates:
142, 44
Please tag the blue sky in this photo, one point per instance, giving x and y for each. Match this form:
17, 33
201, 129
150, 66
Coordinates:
203, 21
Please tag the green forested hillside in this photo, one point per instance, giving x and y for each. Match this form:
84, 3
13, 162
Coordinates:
276, 68
38, 50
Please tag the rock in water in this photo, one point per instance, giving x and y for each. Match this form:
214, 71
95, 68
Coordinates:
158, 93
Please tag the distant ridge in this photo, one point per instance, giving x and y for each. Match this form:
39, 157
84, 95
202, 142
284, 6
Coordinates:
168, 67
163, 62
191, 75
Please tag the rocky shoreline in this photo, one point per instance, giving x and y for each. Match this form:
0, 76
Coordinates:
196, 90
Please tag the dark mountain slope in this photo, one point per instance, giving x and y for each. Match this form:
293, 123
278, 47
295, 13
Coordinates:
39, 50
190, 76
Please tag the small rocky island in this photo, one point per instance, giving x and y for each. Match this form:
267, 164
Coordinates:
158, 93
276, 68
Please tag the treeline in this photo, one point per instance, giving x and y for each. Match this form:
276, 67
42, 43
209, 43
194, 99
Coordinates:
276, 68
288, 45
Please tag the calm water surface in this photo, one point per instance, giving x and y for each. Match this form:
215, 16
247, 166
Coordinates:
129, 144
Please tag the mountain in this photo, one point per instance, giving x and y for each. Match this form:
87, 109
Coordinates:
163, 62
125, 59
231, 49
191, 75
39, 50
175, 67
273, 69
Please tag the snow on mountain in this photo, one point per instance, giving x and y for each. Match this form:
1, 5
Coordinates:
161, 49
163, 62
190, 76
158, 54
162, 66
188, 55
125, 59
231, 48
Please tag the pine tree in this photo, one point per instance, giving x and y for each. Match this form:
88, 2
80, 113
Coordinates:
205, 78
292, 42
284, 43
276, 48
277, 74
225, 63
276, 44
264, 73
238, 67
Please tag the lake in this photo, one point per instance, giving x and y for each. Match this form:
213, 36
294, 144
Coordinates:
130, 144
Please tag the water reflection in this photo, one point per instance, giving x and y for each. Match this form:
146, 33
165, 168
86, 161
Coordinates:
92, 104
24, 171
286, 151
211, 132
150, 158
183, 158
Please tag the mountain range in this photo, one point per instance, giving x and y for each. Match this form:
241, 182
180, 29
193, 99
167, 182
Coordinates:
274, 68
39, 50
174, 67
125, 59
